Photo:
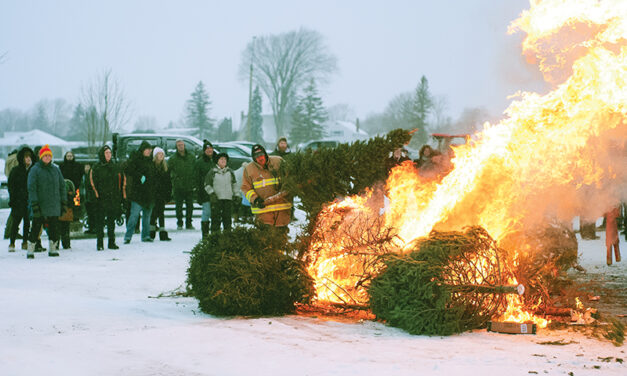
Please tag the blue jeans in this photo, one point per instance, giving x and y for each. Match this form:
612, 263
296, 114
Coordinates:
134, 217
206, 211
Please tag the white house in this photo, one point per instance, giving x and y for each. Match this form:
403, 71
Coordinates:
33, 138
344, 131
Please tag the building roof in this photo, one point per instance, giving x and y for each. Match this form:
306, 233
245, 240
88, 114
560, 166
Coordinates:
33, 138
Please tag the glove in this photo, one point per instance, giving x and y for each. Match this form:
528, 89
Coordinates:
213, 198
259, 203
143, 179
36, 210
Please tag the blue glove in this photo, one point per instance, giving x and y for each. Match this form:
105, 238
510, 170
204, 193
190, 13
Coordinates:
143, 179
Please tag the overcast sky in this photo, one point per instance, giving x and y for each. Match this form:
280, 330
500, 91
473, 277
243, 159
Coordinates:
159, 50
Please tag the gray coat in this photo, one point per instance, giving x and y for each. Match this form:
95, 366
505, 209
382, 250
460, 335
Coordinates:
46, 187
222, 182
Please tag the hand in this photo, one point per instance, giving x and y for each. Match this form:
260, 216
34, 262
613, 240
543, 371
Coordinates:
259, 203
36, 210
143, 179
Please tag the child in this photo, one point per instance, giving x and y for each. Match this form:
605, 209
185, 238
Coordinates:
221, 186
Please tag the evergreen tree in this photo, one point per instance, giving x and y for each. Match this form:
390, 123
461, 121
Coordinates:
309, 116
256, 120
197, 112
418, 111
225, 130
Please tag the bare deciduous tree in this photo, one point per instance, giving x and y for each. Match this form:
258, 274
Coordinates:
285, 63
106, 108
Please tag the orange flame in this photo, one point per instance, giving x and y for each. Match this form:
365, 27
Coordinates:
558, 155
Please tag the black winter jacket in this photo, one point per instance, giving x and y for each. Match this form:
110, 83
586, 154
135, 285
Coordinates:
18, 180
106, 180
72, 170
204, 164
140, 177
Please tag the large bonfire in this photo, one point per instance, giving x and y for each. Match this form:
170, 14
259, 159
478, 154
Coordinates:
553, 157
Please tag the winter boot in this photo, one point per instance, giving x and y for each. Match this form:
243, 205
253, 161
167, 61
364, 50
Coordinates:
39, 247
112, 244
153, 232
12, 247
30, 254
52, 248
163, 236
25, 245
99, 244
204, 227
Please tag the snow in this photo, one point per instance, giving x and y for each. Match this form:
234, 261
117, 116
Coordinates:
94, 313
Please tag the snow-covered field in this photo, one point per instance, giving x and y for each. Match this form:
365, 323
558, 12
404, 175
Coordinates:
94, 313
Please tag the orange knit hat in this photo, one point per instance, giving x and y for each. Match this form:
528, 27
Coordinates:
45, 150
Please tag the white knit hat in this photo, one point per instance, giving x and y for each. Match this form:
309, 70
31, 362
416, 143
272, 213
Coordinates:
157, 150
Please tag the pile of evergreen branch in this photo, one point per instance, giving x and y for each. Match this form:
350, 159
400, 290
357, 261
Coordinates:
420, 292
319, 177
247, 272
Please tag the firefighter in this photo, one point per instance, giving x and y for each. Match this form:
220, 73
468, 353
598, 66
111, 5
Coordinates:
261, 185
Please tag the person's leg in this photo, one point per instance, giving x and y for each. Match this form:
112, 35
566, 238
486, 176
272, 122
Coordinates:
617, 251
178, 202
215, 217
25, 229
146, 212
7, 228
110, 221
153, 221
204, 219
64, 231
53, 236
132, 221
13, 227
226, 214
189, 212
98, 223
34, 236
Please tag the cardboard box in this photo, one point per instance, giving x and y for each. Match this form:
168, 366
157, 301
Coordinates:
512, 327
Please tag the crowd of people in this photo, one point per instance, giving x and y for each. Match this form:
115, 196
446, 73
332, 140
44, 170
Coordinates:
42, 193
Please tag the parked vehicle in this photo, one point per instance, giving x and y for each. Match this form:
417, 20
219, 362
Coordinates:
125, 144
4, 192
318, 144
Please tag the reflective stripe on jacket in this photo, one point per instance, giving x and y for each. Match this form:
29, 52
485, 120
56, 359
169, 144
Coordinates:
264, 182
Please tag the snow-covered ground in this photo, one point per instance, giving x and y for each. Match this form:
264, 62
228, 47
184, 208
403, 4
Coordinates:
95, 313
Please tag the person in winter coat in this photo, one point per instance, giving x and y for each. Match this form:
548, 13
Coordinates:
71, 169
9, 164
395, 159
182, 170
105, 181
88, 200
48, 199
204, 163
163, 193
611, 234
18, 197
282, 148
221, 186
261, 185
139, 189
